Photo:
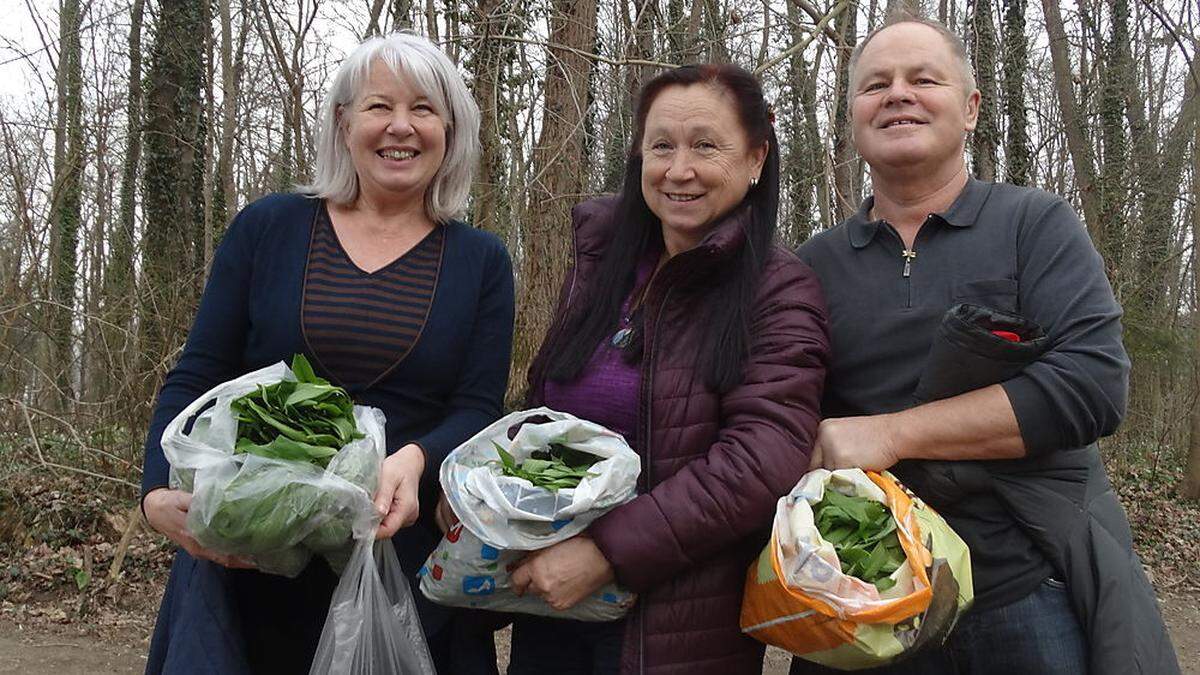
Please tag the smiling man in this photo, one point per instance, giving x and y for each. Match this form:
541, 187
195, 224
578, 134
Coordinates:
1057, 586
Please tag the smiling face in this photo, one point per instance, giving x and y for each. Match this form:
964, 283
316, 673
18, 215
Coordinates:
696, 161
396, 138
909, 108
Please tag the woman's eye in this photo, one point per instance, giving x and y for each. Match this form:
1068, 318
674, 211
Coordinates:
423, 107
377, 106
706, 145
660, 146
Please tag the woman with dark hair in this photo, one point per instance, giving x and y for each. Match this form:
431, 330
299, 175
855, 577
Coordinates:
686, 329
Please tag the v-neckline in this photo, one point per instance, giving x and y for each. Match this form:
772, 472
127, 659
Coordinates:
337, 240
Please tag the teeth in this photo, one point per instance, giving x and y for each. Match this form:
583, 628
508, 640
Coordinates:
898, 122
681, 198
397, 154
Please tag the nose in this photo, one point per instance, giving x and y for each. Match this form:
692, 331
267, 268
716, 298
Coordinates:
899, 91
679, 169
400, 124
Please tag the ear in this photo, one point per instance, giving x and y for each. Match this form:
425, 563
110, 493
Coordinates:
972, 103
758, 156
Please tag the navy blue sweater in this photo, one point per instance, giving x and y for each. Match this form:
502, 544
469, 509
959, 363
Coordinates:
449, 386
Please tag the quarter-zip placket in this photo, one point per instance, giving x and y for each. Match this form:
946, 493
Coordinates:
910, 255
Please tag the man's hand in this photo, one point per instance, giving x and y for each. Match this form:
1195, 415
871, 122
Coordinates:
166, 511
563, 574
396, 499
868, 443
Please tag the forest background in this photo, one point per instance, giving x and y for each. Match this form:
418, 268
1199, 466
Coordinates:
131, 131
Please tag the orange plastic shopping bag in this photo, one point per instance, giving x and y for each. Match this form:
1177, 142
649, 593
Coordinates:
798, 599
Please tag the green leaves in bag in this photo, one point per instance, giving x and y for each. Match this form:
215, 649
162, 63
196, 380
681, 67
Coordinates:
863, 532
555, 468
308, 420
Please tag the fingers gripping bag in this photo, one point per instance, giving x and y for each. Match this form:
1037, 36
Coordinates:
858, 573
505, 516
281, 499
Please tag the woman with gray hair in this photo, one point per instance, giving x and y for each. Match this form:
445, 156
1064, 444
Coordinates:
366, 273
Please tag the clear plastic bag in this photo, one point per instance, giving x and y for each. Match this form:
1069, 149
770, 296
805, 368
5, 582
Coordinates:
276, 512
372, 627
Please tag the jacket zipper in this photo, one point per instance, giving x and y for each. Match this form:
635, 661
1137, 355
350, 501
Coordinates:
648, 390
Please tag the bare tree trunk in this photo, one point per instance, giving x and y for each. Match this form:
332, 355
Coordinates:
226, 201
67, 195
491, 207
431, 20
715, 23
402, 14
119, 276
1113, 183
847, 178
558, 163
173, 140
805, 152
1072, 121
1016, 62
984, 54
912, 7
1160, 179
1191, 476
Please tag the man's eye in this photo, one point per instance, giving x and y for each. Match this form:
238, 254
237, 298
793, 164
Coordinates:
660, 146
926, 80
873, 86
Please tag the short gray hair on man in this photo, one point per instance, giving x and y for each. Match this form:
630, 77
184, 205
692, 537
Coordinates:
957, 47
430, 71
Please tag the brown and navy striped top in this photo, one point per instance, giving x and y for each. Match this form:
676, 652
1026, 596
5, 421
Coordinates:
361, 325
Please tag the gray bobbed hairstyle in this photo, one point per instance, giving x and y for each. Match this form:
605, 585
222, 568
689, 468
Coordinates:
430, 72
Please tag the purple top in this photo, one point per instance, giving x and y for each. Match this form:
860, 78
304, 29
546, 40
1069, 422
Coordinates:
606, 392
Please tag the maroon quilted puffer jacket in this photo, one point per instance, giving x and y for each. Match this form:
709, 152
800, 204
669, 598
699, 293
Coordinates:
713, 466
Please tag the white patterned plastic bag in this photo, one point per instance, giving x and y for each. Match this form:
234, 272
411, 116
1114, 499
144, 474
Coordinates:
276, 512
465, 572
502, 517
510, 513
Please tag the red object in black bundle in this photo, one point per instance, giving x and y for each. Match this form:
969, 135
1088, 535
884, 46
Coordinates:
1007, 335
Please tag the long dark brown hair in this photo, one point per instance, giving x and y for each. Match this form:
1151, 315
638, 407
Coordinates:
726, 296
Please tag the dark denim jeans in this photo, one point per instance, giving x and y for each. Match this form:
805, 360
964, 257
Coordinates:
541, 645
1036, 634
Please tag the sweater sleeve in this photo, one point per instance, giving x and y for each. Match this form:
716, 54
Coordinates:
478, 397
215, 343
769, 423
1076, 392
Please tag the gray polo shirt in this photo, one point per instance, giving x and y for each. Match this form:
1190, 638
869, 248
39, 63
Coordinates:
1012, 248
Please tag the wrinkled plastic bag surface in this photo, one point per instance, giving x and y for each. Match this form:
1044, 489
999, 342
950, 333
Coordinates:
276, 512
797, 597
510, 513
503, 516
466, 572
372, 627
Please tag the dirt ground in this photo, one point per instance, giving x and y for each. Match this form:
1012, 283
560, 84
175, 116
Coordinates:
116, 643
